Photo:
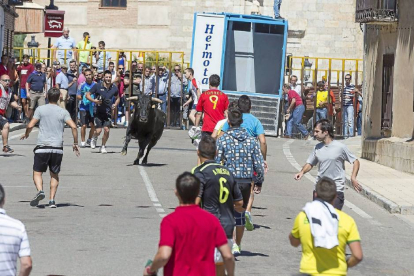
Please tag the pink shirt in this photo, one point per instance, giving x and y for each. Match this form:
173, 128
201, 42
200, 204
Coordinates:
81, 79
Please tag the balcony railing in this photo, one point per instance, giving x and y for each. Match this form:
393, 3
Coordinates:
375, 11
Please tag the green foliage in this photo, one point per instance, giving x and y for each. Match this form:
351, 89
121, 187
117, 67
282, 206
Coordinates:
18, 41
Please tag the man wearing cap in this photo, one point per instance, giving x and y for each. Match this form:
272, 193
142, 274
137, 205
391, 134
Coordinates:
62, 82
36, 87
65, 44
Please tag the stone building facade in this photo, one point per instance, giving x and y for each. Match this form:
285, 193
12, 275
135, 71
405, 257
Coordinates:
317, 27
7, 18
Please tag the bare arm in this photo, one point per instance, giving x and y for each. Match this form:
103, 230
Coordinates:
197, 118
25, 266
292, 104
304, 170
357, 255
72, 125
88, 96
29, 128
238, 206
16, 105
160, 259
355, 170
198, 201
228, 259
294, 241
116, 101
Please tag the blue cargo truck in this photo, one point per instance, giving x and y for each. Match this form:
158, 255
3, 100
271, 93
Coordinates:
248, 53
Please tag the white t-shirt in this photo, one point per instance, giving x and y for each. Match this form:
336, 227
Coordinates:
297, 89
220, 125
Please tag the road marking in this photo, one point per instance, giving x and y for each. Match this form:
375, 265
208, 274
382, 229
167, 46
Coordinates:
151, 192
292, 161
19, 135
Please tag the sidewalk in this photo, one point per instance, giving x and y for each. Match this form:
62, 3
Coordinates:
389, 188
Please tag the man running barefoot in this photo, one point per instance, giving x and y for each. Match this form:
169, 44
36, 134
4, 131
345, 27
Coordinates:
49, 147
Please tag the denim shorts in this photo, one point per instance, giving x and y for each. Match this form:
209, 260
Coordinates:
240, 218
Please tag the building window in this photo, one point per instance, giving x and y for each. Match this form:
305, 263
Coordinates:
387, 94
114, 3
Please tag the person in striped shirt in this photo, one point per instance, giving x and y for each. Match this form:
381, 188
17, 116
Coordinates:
348, 106
14, 243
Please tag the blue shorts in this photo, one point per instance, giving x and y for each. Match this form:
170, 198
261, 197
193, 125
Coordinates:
23, 93
240, 218
194, 106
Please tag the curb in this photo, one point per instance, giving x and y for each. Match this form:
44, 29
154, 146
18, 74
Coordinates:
380, 200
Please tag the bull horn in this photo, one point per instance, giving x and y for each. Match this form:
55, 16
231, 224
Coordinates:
156, 100
133, 98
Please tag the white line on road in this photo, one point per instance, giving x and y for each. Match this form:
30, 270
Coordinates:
292, 161
20, 135
151, 192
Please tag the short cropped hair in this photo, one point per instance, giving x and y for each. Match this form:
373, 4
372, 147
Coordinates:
53, 95
87, 70
107, 72
325, 125
101, 43
188, 187
207, 147
214, 80
326, 189
111, 63
85, 34
235, 117
26, 56
245, 104
321, 83
191, 70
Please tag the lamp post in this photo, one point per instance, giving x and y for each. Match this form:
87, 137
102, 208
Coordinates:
308, 69
49, 40
33, 44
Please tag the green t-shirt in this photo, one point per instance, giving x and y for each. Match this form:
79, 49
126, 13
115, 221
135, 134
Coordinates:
83, 55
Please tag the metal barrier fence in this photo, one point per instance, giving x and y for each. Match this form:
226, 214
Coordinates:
100, 58
310, 70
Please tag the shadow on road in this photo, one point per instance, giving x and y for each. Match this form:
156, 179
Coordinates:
147, 165
43, 206
252, 254
257, 226
11, 155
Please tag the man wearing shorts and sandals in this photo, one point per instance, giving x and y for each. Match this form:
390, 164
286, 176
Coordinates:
219, 193
49, 148
103, 92
330, 156
86, 108
240, 153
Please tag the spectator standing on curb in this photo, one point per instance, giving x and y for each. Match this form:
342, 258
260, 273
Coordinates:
72, 76
66, 47
177, 83
25, 70
6, 98
330, 156
240, 153
348, 97
86, 109
321, 98
194, 92
219, 192
15, 243
324, 233
255, 129
276, 8
62, 82
295, 111
84, 56
149, 85
189, 236
36, 87
162, 89
49, 148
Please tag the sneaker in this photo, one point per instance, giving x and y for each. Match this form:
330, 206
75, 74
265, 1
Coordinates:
39, 196
93, 143
88, 142
103, 150
83, 144
249, 222
7, 149
52, 204
235, 250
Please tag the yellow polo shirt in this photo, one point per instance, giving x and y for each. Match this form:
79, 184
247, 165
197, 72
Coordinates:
321, 96
322, 261
83, 55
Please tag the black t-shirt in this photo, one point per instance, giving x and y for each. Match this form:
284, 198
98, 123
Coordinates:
106, 95
218, 193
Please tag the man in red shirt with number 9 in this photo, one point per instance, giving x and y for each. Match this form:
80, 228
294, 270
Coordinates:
213, 103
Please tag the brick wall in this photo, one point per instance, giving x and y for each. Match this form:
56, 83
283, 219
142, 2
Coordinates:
8, 28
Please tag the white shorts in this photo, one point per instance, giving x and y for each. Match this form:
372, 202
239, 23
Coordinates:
218, 259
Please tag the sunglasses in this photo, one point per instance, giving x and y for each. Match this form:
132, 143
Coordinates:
6, 80
120, 68
177, 69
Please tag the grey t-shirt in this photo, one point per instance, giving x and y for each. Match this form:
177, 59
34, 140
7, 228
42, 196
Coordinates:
331, 159
52, 122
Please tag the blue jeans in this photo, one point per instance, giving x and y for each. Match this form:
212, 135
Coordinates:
321, 113
296, 119
276, 8
163, 98
348, 120
359, 123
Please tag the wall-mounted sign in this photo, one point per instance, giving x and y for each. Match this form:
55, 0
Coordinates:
53, 24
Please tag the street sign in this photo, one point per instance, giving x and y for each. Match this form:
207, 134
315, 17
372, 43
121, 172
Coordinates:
54, 22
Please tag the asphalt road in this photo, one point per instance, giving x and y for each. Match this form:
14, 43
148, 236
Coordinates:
109, 211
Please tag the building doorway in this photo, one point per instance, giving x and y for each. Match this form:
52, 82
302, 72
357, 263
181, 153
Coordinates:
387, 94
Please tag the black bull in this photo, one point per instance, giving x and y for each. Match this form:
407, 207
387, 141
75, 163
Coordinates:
146, 126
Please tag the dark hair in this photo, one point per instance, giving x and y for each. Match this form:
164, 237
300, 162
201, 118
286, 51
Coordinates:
53, 95
191, 70
321, 83
325, 125
235, 117
101, 43
188, 187
111, 63
234, 105
107, 72
87, 70
294, 76
244, 103
214, 80
85, 34
134, 61
207, 147
2, 194
326, 189
349, 75
72, 61
287, 86
26, 56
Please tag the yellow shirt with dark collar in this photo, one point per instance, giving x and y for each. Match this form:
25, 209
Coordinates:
321, 96
322, 261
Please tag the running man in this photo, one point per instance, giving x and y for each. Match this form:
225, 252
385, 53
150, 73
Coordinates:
218, 192
255, 129
49, 148
330, 156
240, 153
86, 108
194, 92
189, 236
320, 257
103, 92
